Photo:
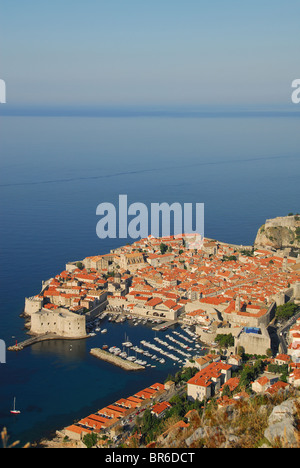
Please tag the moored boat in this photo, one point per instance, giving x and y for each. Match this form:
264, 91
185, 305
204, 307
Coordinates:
14, 410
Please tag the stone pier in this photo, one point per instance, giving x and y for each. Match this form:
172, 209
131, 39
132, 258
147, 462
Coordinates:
116, 360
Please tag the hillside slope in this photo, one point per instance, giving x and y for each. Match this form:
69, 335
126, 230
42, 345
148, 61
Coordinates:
261, 421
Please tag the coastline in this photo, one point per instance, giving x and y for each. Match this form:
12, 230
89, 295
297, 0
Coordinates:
221, 258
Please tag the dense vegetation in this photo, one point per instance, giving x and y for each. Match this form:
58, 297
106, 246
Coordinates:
150, 427
225, 341
90, 440
286, 311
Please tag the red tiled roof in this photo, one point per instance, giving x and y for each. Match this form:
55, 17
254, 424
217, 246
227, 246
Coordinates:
161, 407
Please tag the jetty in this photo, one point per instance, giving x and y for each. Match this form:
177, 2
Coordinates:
116, 360
38, 339
164, 325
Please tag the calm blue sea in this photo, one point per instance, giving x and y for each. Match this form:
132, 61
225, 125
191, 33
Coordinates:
54, 171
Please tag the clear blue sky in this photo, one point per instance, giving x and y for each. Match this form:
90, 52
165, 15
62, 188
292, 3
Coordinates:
149, 52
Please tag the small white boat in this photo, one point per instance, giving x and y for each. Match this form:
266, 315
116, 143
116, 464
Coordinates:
104, 330
128, 344
14, 410
131, 358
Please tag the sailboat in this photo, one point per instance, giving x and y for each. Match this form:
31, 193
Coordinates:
14, 411
127, 343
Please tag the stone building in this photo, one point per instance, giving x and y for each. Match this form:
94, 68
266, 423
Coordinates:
157, 308
254, 343
249, 315
118, 286
99, 262
156, 260
33, 304
129, 260
208, 381
59, 321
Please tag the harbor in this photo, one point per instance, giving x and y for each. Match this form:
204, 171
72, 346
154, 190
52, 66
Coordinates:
100, 381
111, 317
169, 344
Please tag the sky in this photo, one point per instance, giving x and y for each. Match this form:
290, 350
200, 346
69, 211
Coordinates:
158, 52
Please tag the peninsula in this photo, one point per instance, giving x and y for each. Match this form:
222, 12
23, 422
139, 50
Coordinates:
220, 288
226, 296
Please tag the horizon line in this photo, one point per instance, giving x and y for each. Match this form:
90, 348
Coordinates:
150, 110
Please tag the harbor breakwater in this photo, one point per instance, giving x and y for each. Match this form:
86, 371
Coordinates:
116, 360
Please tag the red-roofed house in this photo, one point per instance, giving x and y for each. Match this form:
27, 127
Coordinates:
294, 378
154, 301
282, 359
75, 432
261, 384
160, 409
277, 386
208, 381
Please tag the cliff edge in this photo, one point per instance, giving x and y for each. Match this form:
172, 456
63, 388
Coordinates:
279, 233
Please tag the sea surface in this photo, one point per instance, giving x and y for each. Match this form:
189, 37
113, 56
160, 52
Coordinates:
56, 170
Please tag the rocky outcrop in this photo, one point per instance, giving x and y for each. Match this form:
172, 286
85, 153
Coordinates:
283, 424
279, 233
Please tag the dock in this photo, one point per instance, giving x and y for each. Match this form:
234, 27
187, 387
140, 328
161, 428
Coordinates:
38, 339
116, 360
164, 325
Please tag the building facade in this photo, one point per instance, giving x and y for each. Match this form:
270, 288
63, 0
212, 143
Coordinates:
59, 321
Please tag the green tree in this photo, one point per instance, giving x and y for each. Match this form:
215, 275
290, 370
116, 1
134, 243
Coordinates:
269, 352
163, 248
90, 440
247, 376
229, 258
225, 341
286, 311
247, 253
226, 391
